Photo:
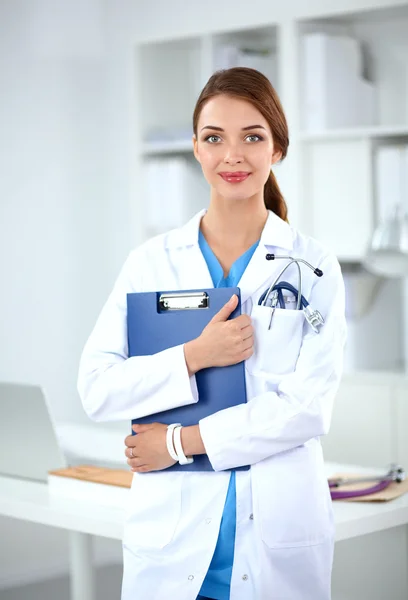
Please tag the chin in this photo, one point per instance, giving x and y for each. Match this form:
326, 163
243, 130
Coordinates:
238, 195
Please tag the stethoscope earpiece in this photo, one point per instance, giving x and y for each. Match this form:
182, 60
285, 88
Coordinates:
315, 270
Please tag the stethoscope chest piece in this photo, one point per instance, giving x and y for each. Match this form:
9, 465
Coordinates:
314, 318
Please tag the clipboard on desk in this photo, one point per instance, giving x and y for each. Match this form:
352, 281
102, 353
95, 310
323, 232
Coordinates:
160, 320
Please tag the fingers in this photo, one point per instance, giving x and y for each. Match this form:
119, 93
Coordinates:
242, 321
133, 461
247, 332
226, 310
248, 345
247, 353
142, 469
129, 441
247, 341
142, 428
130, 452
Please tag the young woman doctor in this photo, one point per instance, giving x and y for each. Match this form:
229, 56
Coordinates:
260, 534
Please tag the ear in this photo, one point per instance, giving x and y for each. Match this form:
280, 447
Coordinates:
276, 156
195, 148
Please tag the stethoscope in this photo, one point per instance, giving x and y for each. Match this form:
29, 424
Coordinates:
395, 473
313, 317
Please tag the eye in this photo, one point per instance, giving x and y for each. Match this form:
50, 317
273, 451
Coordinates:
255, 135
210, 138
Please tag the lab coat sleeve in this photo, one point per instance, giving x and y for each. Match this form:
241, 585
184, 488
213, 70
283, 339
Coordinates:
113, 386
301, 407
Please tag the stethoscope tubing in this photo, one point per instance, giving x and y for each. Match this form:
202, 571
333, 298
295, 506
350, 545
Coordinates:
271, 287
284, 285
343, 495
396, 473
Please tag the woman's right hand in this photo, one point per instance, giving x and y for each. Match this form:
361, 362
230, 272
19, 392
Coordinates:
222, 342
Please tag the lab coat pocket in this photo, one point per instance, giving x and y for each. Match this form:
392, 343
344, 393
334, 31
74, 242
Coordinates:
276, 350
154, 510
295, 507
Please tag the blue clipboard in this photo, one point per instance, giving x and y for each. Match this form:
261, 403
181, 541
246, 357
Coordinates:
160, 320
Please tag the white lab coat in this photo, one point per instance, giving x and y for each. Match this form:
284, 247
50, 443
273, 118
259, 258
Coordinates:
284, 530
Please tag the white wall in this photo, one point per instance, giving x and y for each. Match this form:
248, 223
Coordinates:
64, 199
65, 147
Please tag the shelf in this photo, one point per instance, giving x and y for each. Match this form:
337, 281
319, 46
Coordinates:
168, 147
378, 14
355, 133
169, 71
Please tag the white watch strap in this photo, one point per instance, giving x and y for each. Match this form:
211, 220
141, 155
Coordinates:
169, 440
182, 458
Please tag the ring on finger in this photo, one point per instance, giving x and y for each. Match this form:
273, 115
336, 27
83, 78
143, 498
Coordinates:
131, 453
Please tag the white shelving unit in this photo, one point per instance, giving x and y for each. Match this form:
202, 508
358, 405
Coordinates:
167, 147
385, 133
337, 166
328, 175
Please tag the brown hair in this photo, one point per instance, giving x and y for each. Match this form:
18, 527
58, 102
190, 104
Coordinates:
252, 86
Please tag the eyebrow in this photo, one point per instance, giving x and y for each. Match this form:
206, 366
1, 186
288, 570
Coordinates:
243, 129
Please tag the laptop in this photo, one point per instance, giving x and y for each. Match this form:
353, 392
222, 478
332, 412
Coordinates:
28, 441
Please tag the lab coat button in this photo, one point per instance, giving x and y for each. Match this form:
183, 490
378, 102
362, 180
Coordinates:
191, 577
251, 516
245, 577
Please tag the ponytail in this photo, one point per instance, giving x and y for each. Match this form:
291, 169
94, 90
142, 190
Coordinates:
273, 198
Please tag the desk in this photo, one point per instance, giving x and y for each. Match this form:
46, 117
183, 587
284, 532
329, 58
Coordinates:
31, 501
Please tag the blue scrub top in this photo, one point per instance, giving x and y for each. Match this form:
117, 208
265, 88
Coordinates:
217, 581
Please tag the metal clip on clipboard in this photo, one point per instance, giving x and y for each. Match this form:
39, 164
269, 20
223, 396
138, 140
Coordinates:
184, 301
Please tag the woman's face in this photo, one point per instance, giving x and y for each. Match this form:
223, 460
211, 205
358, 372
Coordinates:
234, 146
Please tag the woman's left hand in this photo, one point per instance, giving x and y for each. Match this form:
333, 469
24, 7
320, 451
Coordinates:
147, 451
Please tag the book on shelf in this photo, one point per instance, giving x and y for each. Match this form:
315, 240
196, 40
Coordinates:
107, 487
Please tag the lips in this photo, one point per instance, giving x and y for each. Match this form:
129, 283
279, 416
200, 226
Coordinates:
235, 176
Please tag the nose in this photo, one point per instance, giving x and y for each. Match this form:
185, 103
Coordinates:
232, 155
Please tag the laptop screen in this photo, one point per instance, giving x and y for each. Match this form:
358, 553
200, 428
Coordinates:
28, 442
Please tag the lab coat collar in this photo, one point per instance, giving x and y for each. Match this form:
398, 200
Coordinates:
276, 237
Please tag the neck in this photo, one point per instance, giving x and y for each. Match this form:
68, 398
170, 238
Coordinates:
234, 224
